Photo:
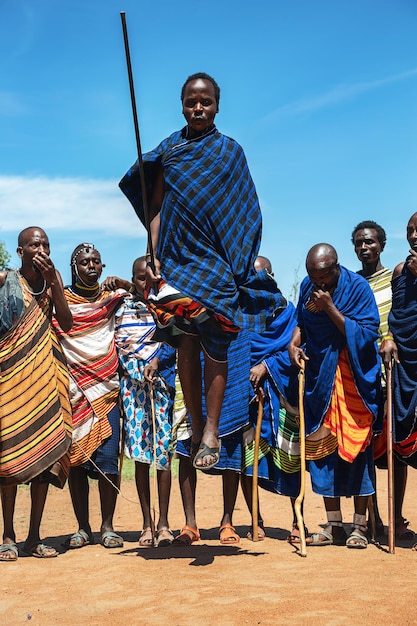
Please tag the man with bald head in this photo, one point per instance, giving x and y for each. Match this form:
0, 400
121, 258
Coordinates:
336, 333
35, 424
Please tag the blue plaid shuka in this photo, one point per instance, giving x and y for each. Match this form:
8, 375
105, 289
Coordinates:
210, 229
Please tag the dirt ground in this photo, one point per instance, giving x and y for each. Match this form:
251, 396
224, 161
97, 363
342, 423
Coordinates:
207, 583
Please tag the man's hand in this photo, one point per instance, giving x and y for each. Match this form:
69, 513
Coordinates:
114, 282
389, 351
152, 277
44, 264
297, 354
322, 299
257, 373
412, 262
151, 369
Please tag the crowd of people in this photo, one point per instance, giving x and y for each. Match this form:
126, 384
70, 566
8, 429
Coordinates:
176, 359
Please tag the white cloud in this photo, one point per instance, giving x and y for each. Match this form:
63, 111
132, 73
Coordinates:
339, 93
71, 204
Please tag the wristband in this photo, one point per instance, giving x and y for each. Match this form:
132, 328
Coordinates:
388, 338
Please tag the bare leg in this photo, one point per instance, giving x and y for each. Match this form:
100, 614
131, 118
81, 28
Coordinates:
400, 482
79, 490
246, 484
8, 501
164, 493
142, 486
108, 497
227, 533
38, 493
188, 482
230, 486
215, 378
190, 374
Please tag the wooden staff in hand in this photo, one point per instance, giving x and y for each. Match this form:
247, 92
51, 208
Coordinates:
255, 500
300, 497
391, 515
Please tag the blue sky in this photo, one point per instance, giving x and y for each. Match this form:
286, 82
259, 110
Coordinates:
322, 95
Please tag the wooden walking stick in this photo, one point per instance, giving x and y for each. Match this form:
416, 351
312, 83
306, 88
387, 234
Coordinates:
255, 499
300, 497
391, 518
138, 145
155, 471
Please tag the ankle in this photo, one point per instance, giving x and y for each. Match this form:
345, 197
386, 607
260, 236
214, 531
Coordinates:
359, 522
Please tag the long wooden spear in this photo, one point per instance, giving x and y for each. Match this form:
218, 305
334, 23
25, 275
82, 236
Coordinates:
300, 497
138, 145
391, 521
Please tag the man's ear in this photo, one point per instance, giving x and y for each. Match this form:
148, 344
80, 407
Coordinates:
19, 251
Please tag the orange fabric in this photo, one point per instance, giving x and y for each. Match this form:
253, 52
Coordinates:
347, 424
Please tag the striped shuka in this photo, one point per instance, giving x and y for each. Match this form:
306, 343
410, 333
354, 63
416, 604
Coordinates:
380, 283
35, 412
90, 350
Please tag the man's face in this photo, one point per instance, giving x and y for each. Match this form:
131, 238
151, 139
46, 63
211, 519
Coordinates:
199, 105
324, 277
367, 246
89, 266
139, 276
35, 240
412, 232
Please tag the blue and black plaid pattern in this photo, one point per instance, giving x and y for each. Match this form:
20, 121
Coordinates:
211, 226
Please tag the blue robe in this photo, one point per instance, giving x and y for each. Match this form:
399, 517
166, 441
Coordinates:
210, 228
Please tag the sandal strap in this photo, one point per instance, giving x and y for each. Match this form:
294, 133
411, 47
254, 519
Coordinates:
359, 522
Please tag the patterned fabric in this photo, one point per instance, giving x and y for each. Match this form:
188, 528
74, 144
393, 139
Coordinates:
347, 425
279, 450
210, 226
35, 424
134, 339
342, 399
324, 342
380, 283
90, 350
403, 325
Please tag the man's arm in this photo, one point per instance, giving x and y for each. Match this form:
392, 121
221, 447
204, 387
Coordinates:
296, 353
154, 224
63, 314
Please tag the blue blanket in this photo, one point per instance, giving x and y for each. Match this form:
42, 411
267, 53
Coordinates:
210, 228
355, 300
402, 322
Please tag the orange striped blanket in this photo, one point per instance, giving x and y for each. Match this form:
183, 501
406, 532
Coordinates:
347, 425
91, 355
35, 412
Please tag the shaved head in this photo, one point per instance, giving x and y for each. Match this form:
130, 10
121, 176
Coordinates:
27, 233
321, 256
322, 266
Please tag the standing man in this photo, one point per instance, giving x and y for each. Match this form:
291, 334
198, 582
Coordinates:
336, 335
369, 239
35, 424
400, 345
205, 225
